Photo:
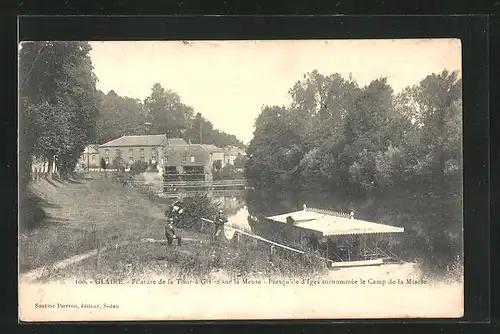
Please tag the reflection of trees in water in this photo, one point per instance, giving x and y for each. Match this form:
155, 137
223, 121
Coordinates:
433, 228
231, 204
433, 223
265, 203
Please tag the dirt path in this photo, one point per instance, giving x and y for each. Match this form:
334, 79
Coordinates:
44, 271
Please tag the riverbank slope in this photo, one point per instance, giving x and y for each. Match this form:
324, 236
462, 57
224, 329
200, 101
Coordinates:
97, 227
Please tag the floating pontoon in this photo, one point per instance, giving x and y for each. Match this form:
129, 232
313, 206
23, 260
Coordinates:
340, 237
330, 225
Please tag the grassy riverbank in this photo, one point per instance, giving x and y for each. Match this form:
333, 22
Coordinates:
82, 215
85, 215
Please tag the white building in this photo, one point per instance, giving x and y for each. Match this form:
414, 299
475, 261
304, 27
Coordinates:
231, 153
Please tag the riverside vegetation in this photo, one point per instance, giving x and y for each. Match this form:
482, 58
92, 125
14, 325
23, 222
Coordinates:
392, 157
122, 219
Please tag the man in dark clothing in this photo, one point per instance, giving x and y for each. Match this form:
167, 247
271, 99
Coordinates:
170, 233
174, 211
220, 220
168, 211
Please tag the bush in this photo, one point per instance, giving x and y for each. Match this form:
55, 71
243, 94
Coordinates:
139, 167
118, 164
122, 178
195, 208
228, 172
103, 164
240, 161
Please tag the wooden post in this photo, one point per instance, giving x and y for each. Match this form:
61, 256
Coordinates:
271, 253
98, 258
237, 241
88, 162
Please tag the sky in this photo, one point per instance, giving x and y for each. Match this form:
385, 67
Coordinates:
228, 82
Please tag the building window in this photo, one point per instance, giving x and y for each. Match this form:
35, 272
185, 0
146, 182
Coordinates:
93, 158
106, 153
131, 152
184, 158
118, 153
192, 159
153, 154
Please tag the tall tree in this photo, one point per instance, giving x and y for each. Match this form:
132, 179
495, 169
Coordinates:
204, 128
167, 114
338, 135
275, 148
439, 98
321, 104
432, 147
366, 132
119, 116
58, 102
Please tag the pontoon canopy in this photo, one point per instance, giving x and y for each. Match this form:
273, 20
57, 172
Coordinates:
330, 225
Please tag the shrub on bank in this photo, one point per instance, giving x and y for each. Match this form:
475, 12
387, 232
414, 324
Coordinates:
139, 167
195, 208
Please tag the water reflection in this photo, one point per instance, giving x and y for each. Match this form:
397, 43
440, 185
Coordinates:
433, 226
240, 219
235, 207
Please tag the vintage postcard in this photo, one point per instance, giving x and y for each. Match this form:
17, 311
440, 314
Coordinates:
236, 180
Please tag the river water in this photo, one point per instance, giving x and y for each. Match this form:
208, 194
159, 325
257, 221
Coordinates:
433, 227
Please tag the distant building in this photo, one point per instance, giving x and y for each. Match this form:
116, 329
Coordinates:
231, 153
191, 161
90, 157
148, 148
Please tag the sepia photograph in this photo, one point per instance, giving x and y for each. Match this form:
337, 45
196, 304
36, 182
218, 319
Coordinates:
240, 180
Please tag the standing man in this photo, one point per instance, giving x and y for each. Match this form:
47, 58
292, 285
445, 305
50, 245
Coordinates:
174, 211
170, 233
219, 221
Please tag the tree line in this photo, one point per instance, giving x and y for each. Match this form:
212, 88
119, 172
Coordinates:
162, 112
336, 134
61, 111
58, 104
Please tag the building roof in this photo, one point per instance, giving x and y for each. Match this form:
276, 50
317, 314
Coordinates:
197, 147
176, 142
148, 140
210, 148
330, 225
